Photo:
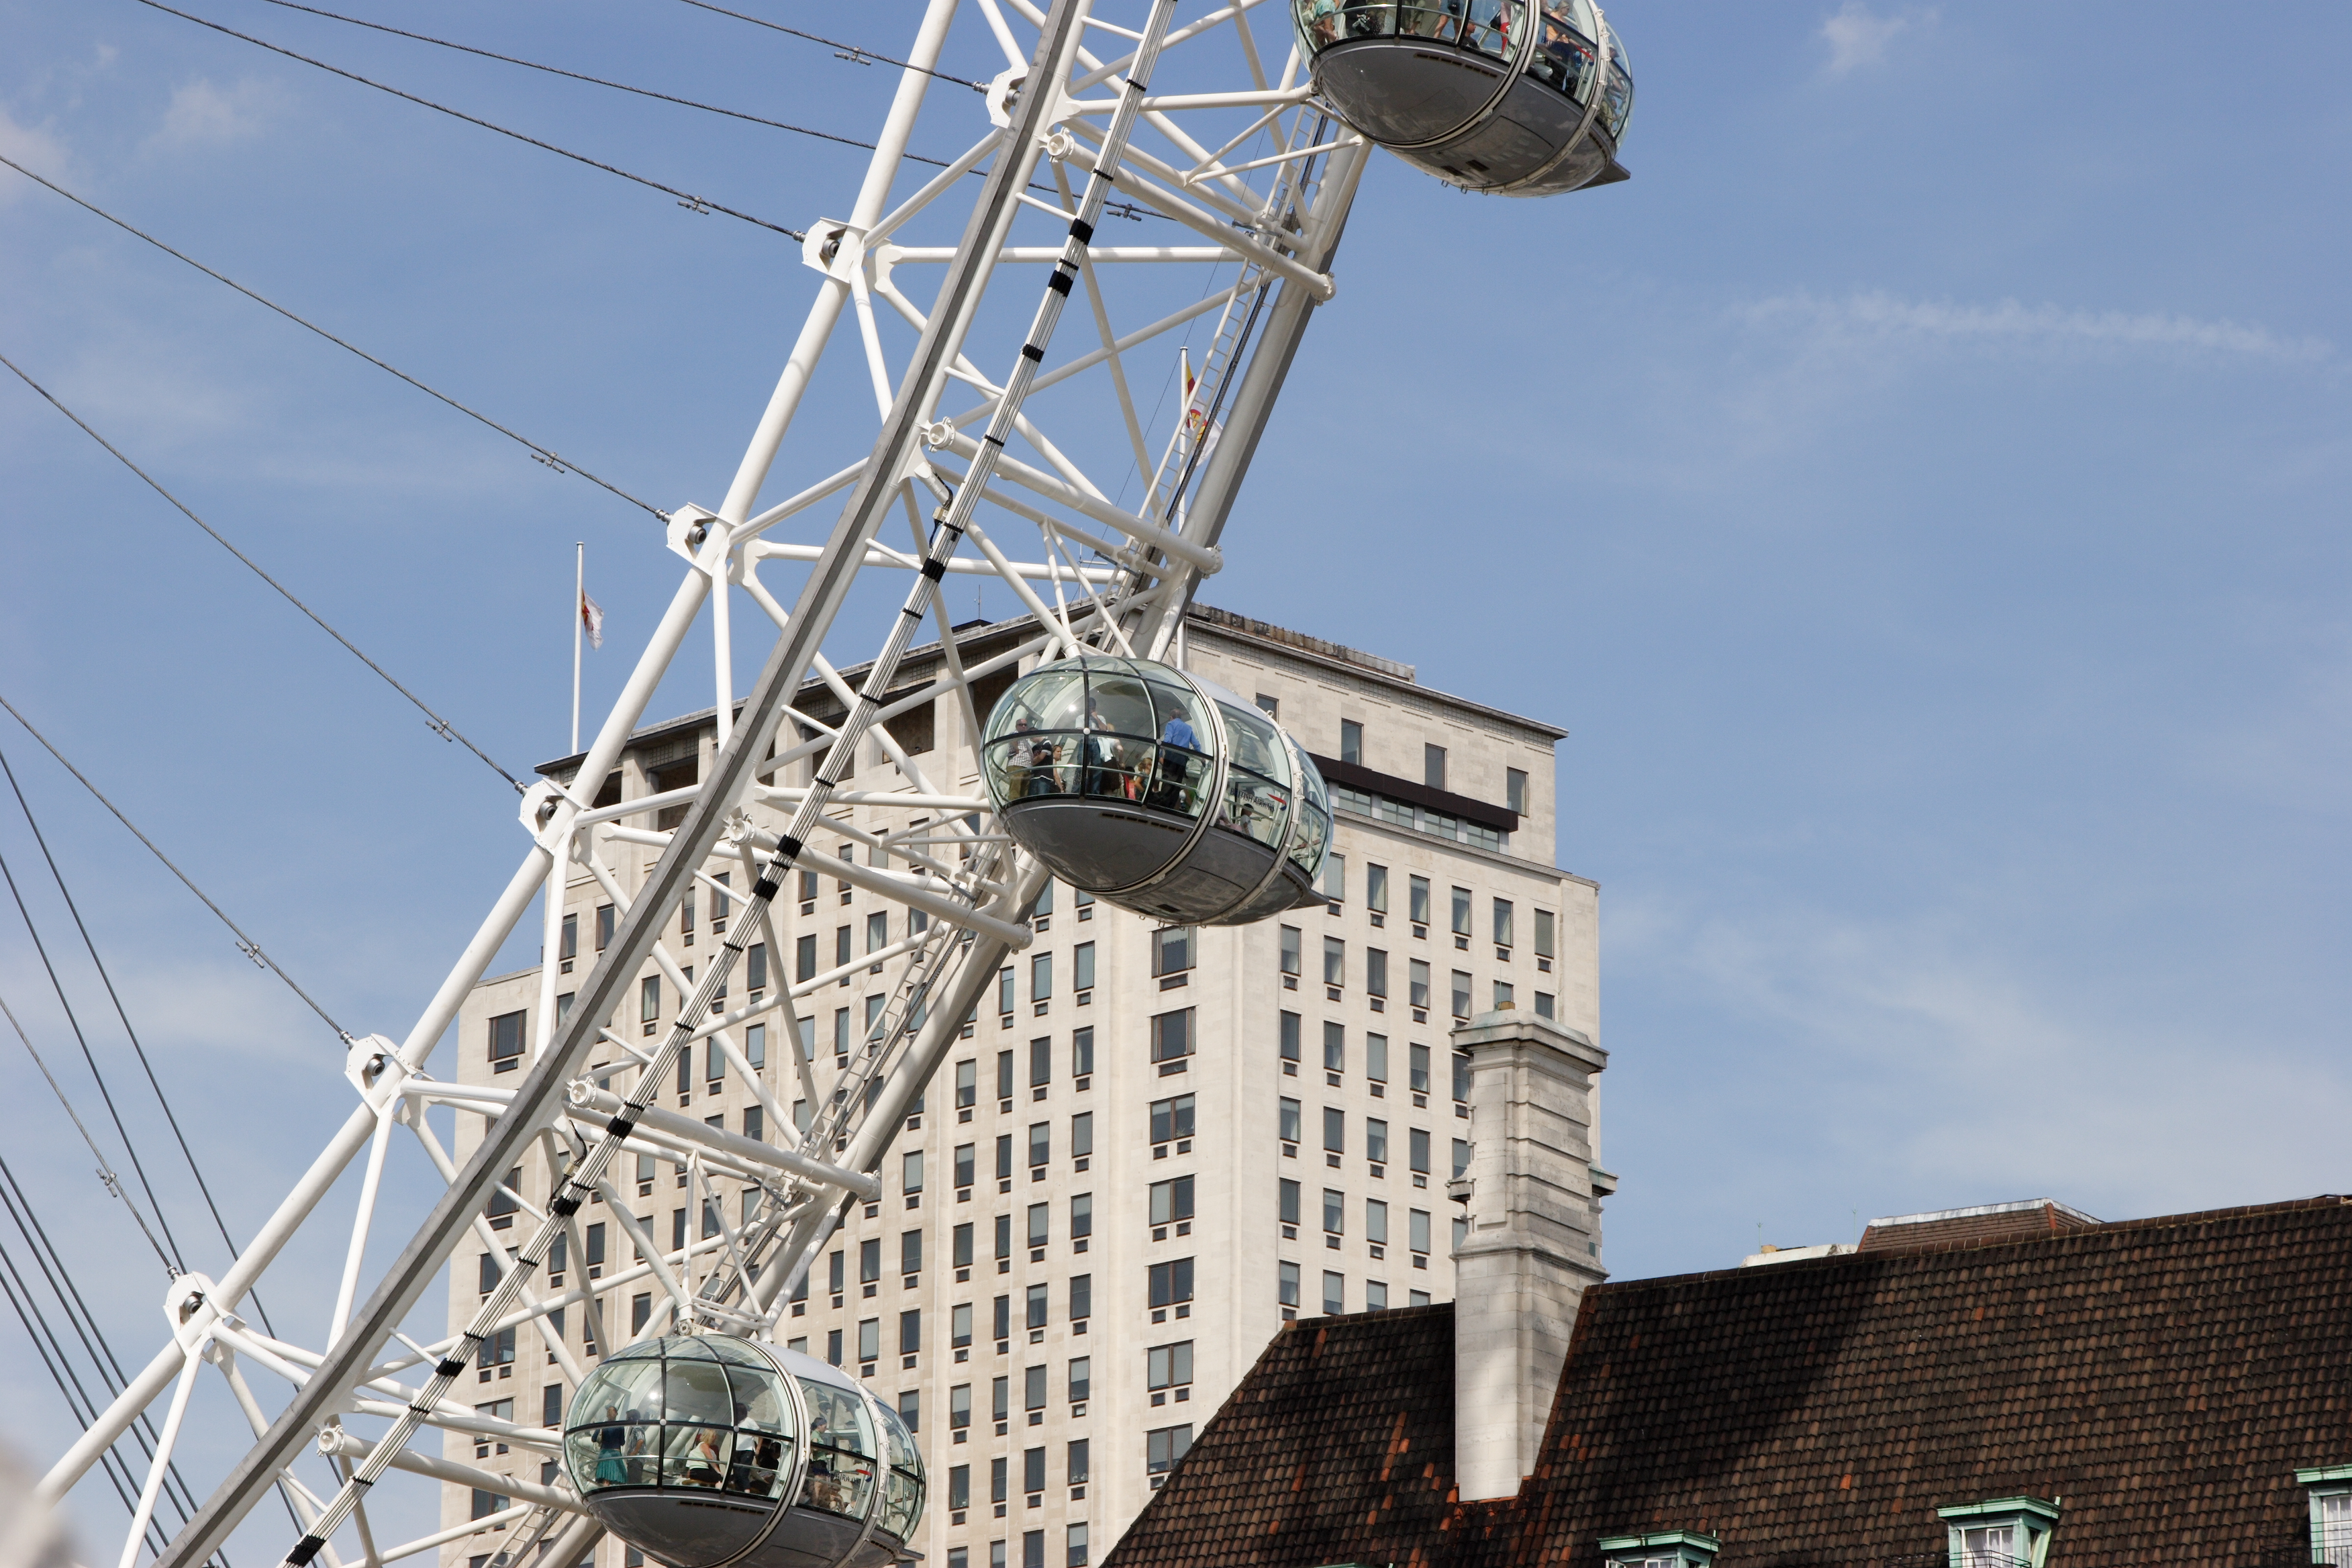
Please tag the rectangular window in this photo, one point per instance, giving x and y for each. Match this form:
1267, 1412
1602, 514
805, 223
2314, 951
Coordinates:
960, 1245
1461, 998
1376, 972
1168, 1367
604, 927
1334, 962
910, 1252
1172, 1039
1004, 1239
1376, 889
1545, 1007
999, 1401
567, 945
1420, 1068
1376, 1297
1461, 1158
1033, 1388
1082, 1216
755, 1123
841, 1031
1285, 1283
1417, 982
808, 885
1289, 1201
869, 1260
1036, 1305
1335, 879
1290, 1031
1417, 1230
641, 1312
1376, 1222
804, 959
1376, 1141
1081, 1134
1082, 1297
1079, 1456
1288, 1122
1171, 1119
1335, 1211
1351, 742
1335, 1047
1417, 1151
714, 1062
1041, 1063
1032, 1467
1005, 998
1462, 1076
1163, 1449
686, 916
1502, 922
1334, 1293
910, 1330
1040, 1143
1504, 992
1334, 1130
1081, 1384
999, 1472
1005, 1075
1171, 1282
1171, 950
1376, 1057
755, 1045
959, 1316
1041, 1223
1082, 1052
1041, 976
595, 1238
1082, 966
1433, 766
1033, 1549
1171, 1200
1460, 912
506, 1041
1290, 945
487, 1503
1003, 1156
1515, 790
1044, 904
960, 1475
869, 1339
843, 950
963, 1164
1543, 934
1417, 904
967, 1082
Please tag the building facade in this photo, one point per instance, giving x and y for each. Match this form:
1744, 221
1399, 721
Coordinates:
1150, 1149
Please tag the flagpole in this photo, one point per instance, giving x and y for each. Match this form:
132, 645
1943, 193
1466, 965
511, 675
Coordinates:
579, 627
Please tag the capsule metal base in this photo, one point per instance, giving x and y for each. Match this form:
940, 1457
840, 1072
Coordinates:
1100, 844
1428, 103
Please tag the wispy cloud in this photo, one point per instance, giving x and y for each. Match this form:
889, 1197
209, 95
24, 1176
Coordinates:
35, 146
1857, 39
2010, 323
203, 115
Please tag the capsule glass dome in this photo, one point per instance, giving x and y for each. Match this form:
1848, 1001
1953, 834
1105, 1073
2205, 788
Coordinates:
1521, 98
709, 1451
1157, 791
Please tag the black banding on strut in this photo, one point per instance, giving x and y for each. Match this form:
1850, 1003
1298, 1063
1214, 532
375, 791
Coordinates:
1082, 231
1033, 353
766, 889
304, 1550
1058, 281
450, 1367
620, 1127
565, 1207
790, 848
935, 569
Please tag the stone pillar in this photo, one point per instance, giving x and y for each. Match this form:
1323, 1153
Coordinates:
1533, 1245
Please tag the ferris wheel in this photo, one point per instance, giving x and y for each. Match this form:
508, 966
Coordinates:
1009, 416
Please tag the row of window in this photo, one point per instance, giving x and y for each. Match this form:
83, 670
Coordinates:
1008, 1077
1287, 1127
1033, 1542
1503, 924
1376, 1221
1419, 977
1335, 1292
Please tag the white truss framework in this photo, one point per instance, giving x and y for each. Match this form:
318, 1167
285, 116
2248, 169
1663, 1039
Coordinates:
1259, 177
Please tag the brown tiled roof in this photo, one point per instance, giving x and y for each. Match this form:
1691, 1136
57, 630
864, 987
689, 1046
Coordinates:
2164, 1378
1995, 1222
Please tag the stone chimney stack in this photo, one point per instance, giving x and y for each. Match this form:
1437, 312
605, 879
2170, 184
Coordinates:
1533, 1244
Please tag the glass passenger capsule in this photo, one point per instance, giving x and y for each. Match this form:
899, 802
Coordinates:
709, 1451
1520, 98
1157, 791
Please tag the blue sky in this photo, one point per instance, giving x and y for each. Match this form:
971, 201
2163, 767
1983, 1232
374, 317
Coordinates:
1920, 491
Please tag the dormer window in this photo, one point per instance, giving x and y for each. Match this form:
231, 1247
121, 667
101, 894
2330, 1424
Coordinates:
2002, 1533
2331, 1512
1668, 1548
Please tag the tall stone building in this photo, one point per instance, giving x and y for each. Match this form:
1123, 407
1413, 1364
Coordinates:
1150, 1148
